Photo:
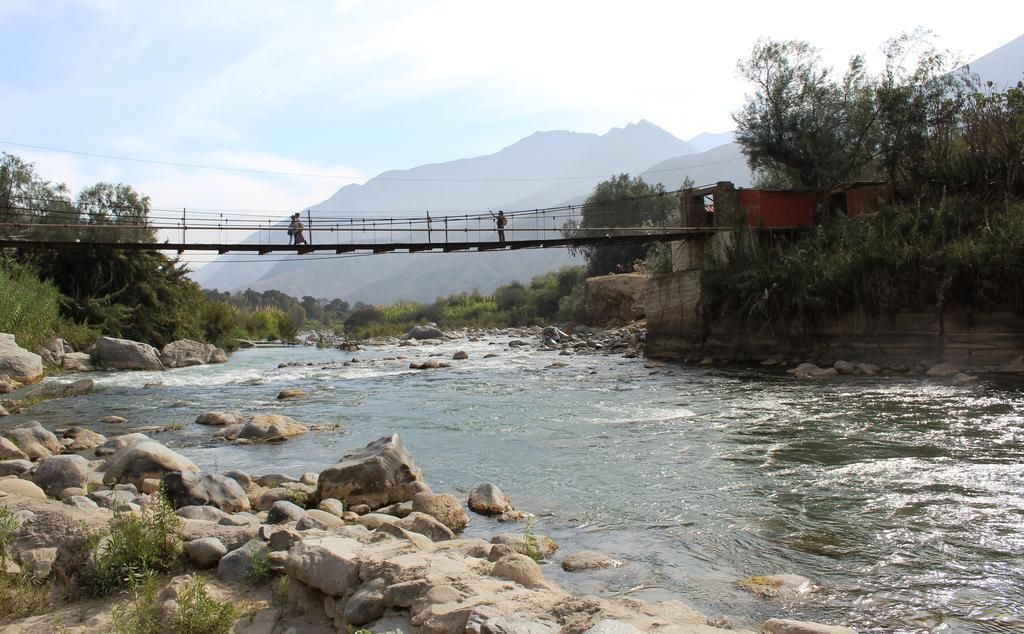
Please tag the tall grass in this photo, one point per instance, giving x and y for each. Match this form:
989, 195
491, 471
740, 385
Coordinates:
29, 306
899, 260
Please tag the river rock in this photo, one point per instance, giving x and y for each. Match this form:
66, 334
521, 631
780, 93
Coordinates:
461, 355
185, 352
366, 605
423, 332
488, 499
611, 626
284, 511
205, 552
780, 586
519, 568
17, 467
963, 379
424, 525
51, 351
543, 546
329, 564
589, 560
18, 363
201, 512
10, 451
36, 441
82, 439
442, 507
291, 393
811, 371
332, 506
788, 626
185, 488
381, 473
77, 362
264, 428
57, 473
943, 370
236, 566
219, 419
147, 459
844, 367
430, 364
117, 443
124, 354
24, 488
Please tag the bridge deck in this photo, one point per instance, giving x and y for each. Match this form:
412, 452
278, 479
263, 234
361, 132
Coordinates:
410, 247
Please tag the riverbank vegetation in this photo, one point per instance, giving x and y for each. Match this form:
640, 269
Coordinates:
948, 149
555, 296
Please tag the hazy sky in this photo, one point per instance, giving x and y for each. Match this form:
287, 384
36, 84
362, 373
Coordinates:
352, 87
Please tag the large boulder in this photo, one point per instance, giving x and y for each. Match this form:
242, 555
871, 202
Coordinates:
18, 363
264, 428
81, 439
185, 352
124, 354
616, 299
423, 332
381, 473
55, 474
35, 440
147, 459
185, 488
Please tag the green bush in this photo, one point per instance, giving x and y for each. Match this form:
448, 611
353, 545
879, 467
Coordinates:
904, 259
135, 546
199, 613
30, 309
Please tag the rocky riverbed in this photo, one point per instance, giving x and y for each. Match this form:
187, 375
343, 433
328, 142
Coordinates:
252, 454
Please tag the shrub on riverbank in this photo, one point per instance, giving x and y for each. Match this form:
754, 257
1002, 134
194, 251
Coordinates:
554, 296
901, 259
30, 306
136, 546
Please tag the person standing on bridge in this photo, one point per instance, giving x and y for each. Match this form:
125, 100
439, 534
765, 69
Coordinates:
295, 230
500, 221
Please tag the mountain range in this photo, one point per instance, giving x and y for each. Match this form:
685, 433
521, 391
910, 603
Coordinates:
545, 169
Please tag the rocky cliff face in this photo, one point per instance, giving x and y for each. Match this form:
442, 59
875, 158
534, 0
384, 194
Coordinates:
616, 299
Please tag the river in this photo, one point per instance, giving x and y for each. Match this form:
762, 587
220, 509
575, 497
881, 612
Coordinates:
901, 497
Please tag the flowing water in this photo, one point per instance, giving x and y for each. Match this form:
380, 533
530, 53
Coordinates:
902, 498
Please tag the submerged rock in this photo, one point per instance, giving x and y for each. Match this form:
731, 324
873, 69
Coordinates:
788, 626
780, 586
811, 371
589, 560
264, 428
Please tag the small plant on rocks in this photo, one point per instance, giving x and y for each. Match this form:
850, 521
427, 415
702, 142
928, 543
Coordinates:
135, 545
530, 540
199, 613
259, 567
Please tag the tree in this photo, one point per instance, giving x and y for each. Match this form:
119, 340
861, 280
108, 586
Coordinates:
622, 202
803, 126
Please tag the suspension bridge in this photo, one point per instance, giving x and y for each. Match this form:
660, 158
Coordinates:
206, 231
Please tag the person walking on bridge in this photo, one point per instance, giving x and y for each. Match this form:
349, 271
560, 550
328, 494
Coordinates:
500, 221
295, 230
